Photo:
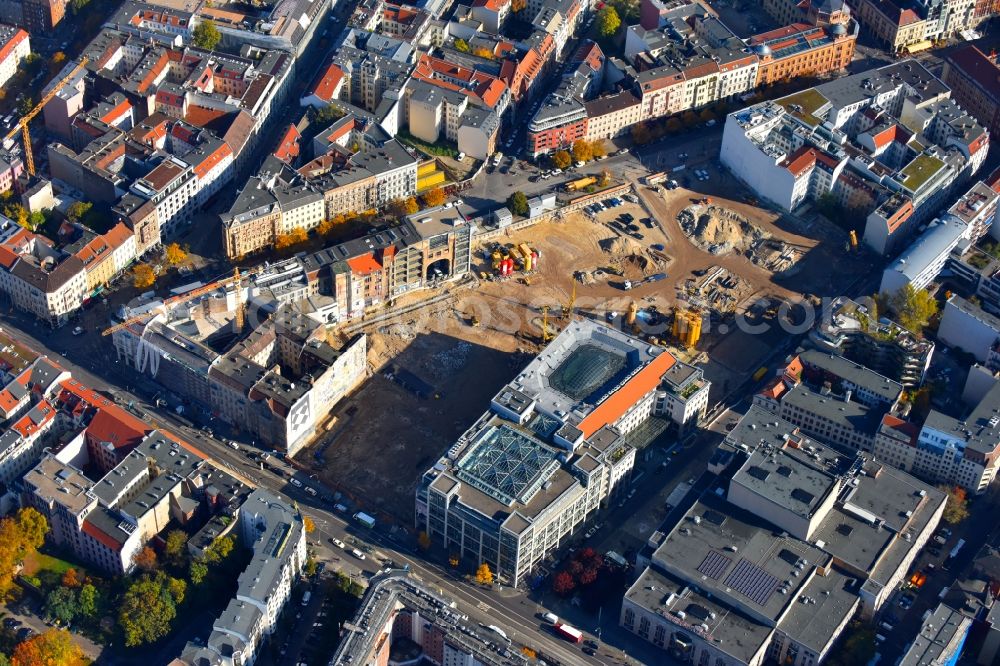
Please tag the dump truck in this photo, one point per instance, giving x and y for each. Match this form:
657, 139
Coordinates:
580, 183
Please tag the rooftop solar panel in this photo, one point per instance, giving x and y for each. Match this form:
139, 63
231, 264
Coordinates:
714, 564
752, 582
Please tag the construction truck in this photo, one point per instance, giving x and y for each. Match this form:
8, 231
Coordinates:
580, 183
656, 277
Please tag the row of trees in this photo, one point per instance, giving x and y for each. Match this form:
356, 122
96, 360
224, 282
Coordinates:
144, 274
580, 151
654, 130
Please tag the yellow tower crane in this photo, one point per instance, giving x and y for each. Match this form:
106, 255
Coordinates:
25, 120
568, 308
546, 336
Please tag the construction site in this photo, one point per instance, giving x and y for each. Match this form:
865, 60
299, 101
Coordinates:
660, 285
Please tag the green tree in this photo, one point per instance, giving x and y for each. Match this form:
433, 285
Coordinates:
148, 608
483, 574
219, 550
20, 535
608, 22
627, 9
78, 210
561, 159
327, 115
462, 45
517, 203
582, 151
207, 36
36, 220
311, 566
54, 647
176, 547
913, 308
957, 507
197, 570
61, 604
673, 126
25, 105
4, 659
88, 600
857, 646
640, 134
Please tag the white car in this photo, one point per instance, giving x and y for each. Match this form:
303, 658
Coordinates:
296, 483
78, 331
357, 553
338, 543
234, 445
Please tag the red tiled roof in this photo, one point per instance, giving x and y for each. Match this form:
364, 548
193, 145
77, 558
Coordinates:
327, 83
108, 427
99, 535
199, 116
977, 66
619, 402
904, 427
992, 180
212, 159
27, 426
7, 401
775, 389
892, 133
364, 264
779, 33
801, 161
288, 147
117, 112
12, 43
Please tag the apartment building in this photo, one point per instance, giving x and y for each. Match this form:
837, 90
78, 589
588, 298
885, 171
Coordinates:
805, 536
894, 127
107, 522
274, 532
883, 346
338, 182
804, 49
974, 79
35, 16
561, 426
831, 398
14, 48
962, 452
397, 606
40, 279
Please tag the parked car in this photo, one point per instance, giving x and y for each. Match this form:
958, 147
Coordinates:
337, 542
357, 553
296, 482
78, 330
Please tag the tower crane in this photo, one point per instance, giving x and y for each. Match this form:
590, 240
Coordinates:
25, 120
236, 279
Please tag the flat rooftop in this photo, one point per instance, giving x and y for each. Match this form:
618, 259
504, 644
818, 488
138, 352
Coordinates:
733, 633
585, 366
738, 557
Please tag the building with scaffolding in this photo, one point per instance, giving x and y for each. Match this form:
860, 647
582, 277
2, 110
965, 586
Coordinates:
555, 447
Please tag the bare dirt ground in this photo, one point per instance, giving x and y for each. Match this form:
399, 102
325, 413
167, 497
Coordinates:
433, 372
